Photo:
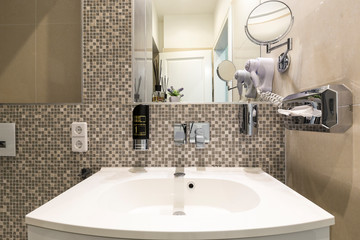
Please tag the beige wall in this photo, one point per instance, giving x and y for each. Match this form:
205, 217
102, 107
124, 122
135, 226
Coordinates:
188, 31
325, 167
243, 48
40, 48
221, 10
155, 25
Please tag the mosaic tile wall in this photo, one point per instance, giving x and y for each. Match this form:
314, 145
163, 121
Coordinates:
45, 166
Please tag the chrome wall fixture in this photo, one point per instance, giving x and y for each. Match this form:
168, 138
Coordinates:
284, 58
200, 134
180, 133
334, 102
248, 119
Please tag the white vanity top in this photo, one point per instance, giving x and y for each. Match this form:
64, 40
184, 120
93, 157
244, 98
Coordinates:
115, 202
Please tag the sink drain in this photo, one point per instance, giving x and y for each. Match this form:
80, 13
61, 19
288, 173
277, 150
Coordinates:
179, 213
191, 185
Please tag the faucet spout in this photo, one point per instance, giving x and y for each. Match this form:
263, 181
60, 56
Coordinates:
180, 134
179, 172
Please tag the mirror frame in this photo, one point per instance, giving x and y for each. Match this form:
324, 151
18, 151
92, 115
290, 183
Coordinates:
276, 40
222, 64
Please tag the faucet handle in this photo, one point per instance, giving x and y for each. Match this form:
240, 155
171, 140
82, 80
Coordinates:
200, 134
180, 133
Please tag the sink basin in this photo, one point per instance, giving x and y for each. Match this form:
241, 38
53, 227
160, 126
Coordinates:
190, 195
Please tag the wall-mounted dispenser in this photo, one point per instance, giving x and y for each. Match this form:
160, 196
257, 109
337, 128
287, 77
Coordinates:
248, 119
141, 127
330, 109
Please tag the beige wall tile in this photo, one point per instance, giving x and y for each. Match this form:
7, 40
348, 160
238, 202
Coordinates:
17, 64
58, 11
325, 168
356, 144
54, 64
58, 63
17, 11
325, 36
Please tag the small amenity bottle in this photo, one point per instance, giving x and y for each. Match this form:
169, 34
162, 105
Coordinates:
158, 95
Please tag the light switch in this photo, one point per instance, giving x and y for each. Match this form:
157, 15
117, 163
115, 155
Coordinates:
7, 139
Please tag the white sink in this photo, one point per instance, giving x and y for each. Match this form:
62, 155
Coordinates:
165, 196
223, 203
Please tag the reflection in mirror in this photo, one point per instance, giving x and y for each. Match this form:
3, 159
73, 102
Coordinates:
269, 22
226, 70
40, 51
190, 39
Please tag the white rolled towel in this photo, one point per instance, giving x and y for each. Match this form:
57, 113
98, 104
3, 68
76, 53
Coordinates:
262, 72
252, 65
301, 111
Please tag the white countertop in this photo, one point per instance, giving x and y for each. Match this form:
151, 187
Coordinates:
81, 209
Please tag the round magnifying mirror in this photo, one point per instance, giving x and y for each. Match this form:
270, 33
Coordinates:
269, 22
226, 70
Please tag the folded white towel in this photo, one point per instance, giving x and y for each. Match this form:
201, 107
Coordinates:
302, 111
262, 72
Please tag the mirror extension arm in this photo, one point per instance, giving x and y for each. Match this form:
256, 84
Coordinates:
269, 48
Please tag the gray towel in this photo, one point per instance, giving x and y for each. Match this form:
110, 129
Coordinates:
243, 78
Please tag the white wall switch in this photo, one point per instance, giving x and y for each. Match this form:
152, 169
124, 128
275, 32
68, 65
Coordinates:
7, 139
79, 142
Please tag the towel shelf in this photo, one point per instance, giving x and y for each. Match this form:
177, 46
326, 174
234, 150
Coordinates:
335, 103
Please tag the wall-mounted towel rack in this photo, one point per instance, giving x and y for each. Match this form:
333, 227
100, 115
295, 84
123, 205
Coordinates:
334, 102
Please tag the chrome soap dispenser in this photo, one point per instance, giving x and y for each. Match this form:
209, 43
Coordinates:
141, 127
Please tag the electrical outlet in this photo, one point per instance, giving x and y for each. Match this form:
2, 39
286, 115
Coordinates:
79, 142
79, 129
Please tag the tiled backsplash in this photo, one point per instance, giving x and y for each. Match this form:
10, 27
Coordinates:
45, 166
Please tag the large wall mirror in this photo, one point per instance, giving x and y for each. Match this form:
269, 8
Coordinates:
179, 44
40, 51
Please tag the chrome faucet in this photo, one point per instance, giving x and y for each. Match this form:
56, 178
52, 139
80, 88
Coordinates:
179, 172
180, 138
180, 133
